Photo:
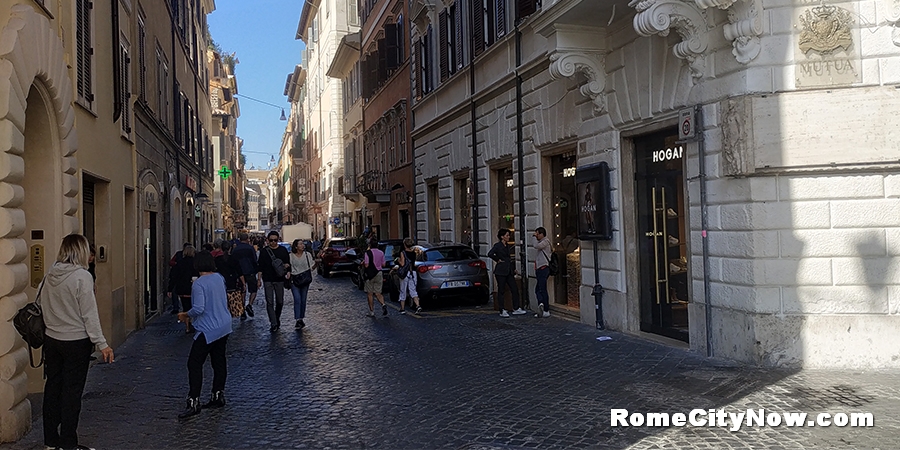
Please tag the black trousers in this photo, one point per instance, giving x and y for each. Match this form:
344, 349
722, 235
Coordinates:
502, 282
199, 351
66, 367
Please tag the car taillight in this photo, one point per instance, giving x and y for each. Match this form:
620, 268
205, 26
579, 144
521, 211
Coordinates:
426, 268
478, 264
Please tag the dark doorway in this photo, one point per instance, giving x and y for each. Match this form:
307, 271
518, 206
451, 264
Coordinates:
150, 264
662, 234
404, 224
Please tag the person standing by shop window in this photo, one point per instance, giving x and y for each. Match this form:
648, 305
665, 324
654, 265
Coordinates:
505, 273
542, 271
73, 331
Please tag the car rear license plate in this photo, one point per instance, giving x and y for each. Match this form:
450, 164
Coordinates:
454, 284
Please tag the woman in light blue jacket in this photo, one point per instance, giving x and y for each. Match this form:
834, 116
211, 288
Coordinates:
210, 316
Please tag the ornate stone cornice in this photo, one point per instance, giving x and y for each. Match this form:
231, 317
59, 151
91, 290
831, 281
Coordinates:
567, 64
688, 20
577, 49
744, 25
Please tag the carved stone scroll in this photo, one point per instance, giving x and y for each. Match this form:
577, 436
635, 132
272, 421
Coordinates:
688, 20
567, 64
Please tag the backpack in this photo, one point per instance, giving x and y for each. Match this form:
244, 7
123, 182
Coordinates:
403, 271
29, 322
371, 271
553, 264
277, 264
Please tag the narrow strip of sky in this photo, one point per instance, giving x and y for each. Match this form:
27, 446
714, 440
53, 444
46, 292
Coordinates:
261, 34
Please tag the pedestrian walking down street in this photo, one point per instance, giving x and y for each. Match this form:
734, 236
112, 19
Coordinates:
505, 273
406, 271
302, 265
542, 271
180, 278
373, 262
210, 316
230, 269
270, 257
246, 256
73, 330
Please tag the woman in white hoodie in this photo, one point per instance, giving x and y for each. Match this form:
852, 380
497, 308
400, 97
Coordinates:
73, 330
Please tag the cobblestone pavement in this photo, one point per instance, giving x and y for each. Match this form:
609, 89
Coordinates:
457, 379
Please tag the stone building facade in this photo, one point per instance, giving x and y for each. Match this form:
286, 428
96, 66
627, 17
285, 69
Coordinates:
769, 237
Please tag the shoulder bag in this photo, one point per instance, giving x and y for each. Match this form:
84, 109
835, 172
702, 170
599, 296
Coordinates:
29, 322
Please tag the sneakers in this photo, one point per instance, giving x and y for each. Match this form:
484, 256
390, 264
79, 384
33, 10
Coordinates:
216, 400
418, 310
673, 241
249, 309
503, 313
192, 409
402, 311
519, 312
383, 310
299, 324
546, 314
370, 314
540, 312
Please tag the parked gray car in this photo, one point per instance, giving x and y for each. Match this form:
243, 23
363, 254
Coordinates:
453, 270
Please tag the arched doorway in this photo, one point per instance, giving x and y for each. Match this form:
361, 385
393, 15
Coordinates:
38, 188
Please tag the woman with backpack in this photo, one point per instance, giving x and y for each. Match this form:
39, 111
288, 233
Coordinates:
406, 271
302, 265
73, 331
180, 279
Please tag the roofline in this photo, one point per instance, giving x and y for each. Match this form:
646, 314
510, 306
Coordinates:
347, 49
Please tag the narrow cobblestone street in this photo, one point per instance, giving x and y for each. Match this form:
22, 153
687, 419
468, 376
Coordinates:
457, 378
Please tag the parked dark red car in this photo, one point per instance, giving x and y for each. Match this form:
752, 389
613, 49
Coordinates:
334, 258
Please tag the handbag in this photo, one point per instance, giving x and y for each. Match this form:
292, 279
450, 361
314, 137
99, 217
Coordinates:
236, 302
303, 278
29, 322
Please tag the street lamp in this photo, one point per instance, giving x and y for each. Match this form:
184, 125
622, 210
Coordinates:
283, 116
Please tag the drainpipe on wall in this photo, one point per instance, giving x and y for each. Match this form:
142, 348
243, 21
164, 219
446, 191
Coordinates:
521, 161
704, 225
474, 180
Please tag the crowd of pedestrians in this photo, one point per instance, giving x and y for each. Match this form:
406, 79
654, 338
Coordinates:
199, 285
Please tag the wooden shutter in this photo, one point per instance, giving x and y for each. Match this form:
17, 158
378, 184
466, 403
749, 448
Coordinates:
392, 46
420, 64
477, 27
83, 48
525, 8
125, 95
501, 18
458, 44
382, 73
142, 59
442, 44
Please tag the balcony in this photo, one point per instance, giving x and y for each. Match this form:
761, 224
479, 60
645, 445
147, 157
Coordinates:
373, 186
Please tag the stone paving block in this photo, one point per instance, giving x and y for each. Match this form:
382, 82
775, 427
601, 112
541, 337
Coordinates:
459, 378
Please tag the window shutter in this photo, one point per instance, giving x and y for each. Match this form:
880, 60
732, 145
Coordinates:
83, 48
125, 96
442, 44
420, 64
525, 8
381, 74
501, 18
458, 44
392, 46
477, 27
142, 60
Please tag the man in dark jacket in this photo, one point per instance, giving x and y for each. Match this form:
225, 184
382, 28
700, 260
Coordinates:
271, 256
505, 273
245, 255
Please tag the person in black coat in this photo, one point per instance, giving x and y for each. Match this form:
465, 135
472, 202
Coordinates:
181, 277
505, 273
272, 282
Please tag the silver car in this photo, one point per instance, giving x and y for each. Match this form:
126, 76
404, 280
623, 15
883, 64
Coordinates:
453, 270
